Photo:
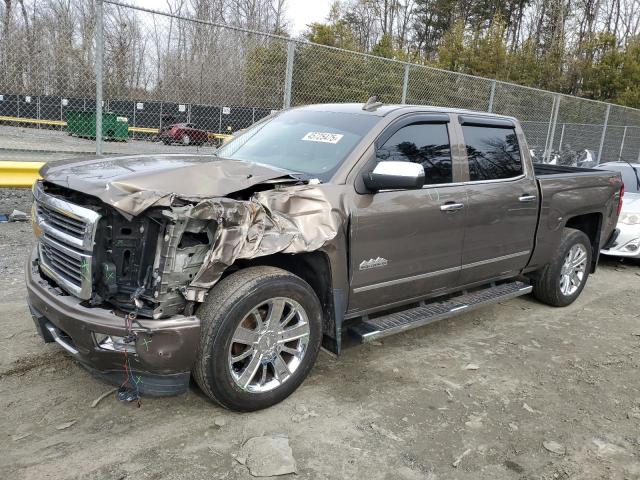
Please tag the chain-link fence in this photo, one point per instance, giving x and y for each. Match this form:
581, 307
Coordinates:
157, 82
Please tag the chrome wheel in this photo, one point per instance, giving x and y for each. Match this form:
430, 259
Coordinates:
268, 345
573, 270
186, 140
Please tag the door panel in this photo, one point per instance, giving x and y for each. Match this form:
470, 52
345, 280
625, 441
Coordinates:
500, 229
502, 201
404, 246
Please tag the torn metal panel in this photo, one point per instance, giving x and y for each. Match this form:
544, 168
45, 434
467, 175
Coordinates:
154, 260
292, 220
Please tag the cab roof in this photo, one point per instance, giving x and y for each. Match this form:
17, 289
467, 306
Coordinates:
386, 109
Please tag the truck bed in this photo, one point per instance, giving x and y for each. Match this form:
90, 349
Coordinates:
567, 192
544, 169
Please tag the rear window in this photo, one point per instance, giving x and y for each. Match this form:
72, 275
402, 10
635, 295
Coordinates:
493, 153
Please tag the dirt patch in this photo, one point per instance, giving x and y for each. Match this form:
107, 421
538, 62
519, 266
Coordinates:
25, 364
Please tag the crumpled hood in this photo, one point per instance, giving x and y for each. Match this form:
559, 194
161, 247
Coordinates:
134, 183
299, 218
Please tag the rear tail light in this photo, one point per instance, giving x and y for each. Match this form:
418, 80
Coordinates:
620, 199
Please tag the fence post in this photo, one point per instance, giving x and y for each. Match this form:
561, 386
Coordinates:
561, 137
604, 131
624, 135
551, 132
288, 79
491, 95
546, 140
99, 73
405, 84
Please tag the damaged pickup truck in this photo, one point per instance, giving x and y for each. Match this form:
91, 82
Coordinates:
235, 268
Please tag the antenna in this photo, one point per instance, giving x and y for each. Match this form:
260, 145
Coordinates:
372, 104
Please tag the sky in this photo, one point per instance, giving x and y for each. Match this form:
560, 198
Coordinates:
300, 13
303, 12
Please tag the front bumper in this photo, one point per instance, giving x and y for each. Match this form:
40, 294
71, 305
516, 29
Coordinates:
627, 244
165, 349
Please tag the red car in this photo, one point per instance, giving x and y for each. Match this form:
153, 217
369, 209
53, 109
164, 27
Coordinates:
184, 133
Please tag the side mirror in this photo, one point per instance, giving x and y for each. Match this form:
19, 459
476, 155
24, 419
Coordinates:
394, 175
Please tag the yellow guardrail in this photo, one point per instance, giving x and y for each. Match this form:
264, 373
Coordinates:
143, 130
19, 174
221, 136
61, 123
58, 123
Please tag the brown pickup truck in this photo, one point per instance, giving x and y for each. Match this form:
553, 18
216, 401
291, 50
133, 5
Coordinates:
317, 221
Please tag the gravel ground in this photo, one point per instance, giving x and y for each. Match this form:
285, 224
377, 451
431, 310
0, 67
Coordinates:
19, 139
15, 199
547, 380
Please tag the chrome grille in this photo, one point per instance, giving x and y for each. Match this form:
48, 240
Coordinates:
66, 234
59, 258
71, 226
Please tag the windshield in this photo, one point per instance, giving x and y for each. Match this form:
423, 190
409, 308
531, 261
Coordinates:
309, 142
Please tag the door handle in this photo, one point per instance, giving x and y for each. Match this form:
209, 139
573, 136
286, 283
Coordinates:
527, 198
451, 207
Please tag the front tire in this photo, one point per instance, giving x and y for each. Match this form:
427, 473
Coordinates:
261, 330
560, 283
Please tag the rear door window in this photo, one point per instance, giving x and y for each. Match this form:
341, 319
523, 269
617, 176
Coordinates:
423, 143
493, 152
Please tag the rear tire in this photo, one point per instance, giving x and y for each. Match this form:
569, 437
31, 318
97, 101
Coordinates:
242, 306
560, 283
186, 140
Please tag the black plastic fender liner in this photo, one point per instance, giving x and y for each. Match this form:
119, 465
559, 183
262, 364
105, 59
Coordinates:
612, 239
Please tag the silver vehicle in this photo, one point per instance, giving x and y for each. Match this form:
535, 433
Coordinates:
627, 243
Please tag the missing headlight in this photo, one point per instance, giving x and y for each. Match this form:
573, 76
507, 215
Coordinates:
114, 343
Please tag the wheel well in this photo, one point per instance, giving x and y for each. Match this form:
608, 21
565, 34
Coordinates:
313, 267
590, 224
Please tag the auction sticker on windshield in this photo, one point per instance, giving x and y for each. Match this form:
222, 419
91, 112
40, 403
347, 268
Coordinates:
322, 137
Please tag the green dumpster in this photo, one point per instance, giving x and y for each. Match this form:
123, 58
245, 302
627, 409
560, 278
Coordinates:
83, 124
